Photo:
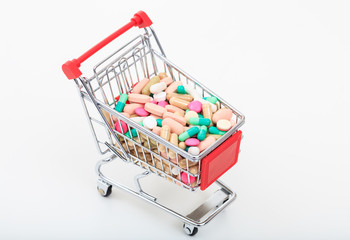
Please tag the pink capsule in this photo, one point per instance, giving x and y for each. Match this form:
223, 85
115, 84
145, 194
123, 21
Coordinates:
155, 102
163, 103
124, 126
141, 112
192, 142
184, 178
195, 106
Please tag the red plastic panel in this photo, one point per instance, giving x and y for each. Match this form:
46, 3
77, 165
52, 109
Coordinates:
220, 160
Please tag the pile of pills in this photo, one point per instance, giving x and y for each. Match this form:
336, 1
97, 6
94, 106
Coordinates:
178, 114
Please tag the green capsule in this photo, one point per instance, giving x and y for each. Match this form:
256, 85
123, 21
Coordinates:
202, 133
159, 122
200, 115
133, 133
214, 130
181, 89
189, 133
121, 102
186, 149
199, 121
211, 99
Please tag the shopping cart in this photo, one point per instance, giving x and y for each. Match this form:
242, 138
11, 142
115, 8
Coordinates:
144, 57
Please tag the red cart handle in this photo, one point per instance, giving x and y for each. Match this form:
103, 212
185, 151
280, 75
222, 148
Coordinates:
71, 68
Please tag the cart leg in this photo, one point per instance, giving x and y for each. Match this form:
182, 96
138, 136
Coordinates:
190, 229
138, 186
104, 188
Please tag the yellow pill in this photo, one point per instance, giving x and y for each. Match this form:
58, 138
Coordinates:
146, 89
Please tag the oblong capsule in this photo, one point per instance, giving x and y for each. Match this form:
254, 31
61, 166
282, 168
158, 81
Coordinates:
189, 133
199, 121
202, 133
121, 102
215, 130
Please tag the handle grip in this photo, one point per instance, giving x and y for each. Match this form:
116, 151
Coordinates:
71, 68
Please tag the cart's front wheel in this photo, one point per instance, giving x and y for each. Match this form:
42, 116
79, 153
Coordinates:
190, 230
104, 188
103, 192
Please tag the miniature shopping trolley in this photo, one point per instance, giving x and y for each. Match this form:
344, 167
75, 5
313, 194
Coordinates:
144, 57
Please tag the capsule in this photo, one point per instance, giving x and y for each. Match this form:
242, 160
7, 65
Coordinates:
199, 121
212, 99
185, 97
207, 112
189, 133
159, 122
180, 103
164, 133
181, 89
133, 133
214, 130
173, 140
182, 145
121, 103
202, 133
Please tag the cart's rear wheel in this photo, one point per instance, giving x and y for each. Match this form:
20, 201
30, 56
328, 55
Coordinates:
103, 192
190, 230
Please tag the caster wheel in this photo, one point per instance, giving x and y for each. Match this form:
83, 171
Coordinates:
190, 230
105, 193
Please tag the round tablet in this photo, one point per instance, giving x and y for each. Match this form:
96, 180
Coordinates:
149, 122
223, 125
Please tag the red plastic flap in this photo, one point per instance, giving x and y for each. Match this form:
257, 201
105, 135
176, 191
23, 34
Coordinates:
220, 160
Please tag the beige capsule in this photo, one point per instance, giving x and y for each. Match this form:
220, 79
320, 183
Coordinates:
165, 134
180, 103
185, 97
207, 112
182, 145
174, 140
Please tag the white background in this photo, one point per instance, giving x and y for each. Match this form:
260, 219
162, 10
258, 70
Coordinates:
285, 65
